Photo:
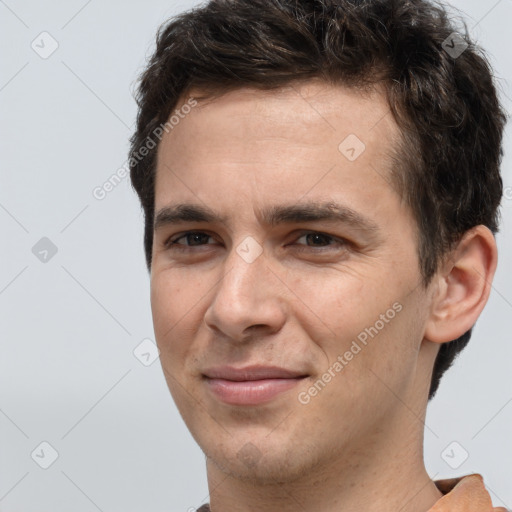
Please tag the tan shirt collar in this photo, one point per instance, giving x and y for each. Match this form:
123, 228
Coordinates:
464, 494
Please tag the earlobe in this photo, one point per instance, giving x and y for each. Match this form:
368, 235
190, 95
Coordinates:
463, 285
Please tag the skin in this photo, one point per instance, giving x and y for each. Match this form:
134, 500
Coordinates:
303, 301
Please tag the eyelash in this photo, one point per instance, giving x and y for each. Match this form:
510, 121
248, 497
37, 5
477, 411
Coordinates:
172, 244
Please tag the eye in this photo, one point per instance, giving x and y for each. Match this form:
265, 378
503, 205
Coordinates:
314, 240
192, 238
321, 240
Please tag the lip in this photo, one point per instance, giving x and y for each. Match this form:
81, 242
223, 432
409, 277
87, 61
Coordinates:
251, 385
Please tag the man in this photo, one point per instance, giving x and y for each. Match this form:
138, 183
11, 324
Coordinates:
320, 214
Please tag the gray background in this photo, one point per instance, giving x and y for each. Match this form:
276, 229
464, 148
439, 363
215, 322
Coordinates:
69, 325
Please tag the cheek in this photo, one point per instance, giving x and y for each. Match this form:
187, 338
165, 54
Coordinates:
175, 301
367, 320
343, 302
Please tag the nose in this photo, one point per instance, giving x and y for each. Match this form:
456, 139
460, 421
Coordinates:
248, 300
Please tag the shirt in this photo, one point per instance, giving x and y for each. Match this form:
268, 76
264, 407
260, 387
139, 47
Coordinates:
464, 494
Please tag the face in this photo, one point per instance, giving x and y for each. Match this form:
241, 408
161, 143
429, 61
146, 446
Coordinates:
285, 284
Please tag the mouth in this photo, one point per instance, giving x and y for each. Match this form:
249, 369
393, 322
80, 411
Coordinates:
251, 385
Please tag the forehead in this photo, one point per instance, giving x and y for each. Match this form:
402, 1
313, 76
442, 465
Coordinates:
304, 138
302, 112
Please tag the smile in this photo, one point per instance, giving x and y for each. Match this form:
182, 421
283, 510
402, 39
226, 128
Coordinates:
250, 386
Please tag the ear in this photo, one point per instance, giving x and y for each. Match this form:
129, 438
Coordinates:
462, 286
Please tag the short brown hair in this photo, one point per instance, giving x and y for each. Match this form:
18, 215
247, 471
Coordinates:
445, 105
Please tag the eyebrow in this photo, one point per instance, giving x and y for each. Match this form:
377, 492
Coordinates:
272, 216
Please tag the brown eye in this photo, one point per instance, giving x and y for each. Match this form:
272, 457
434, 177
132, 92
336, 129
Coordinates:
320, 240
192, 239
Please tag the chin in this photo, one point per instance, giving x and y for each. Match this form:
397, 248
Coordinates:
262, 462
